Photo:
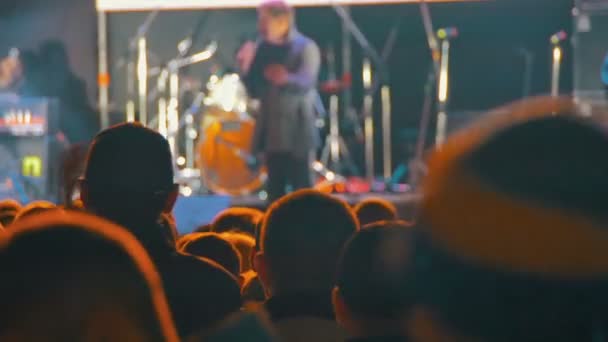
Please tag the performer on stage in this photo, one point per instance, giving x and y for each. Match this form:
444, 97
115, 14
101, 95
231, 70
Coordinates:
281, 70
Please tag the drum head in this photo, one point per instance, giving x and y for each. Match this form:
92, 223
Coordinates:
224, 147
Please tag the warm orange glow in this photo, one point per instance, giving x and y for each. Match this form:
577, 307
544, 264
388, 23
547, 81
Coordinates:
150, 5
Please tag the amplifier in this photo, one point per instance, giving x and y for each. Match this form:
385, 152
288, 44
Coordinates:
29, 149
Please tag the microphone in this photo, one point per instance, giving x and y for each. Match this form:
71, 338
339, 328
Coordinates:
559, 37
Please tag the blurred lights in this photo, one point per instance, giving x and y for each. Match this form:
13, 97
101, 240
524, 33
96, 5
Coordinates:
181, 161
186, 191
557, 54
444, 69
143, 5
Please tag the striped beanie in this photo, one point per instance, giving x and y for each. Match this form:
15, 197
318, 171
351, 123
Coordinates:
514, 244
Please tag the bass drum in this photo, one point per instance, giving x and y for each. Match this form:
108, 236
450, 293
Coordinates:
224, 149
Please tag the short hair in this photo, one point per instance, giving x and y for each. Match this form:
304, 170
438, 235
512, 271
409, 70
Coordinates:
8, 210
212, 246
129, 173
375, 272
302, 236
72, 254
205, 228
276, 8
245, 244
35, 208
237, 218
374, 210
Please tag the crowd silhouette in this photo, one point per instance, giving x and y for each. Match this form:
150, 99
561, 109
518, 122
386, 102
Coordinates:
508, 244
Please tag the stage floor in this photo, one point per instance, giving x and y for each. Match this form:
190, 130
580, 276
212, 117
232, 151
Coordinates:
193, 211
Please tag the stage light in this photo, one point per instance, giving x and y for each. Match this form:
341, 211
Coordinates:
186, 191
181, 161
150, 5
557, 54
317, 166
442, 34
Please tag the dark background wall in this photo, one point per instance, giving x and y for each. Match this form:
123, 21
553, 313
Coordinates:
487, 61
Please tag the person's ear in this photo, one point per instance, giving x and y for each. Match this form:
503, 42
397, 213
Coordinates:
260, 264
84, 193
340, 309
171, 199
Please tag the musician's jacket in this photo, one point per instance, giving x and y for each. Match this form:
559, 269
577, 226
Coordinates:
287, 116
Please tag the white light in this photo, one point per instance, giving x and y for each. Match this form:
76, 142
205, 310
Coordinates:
186, 191
330, 176
317, 166
367, 73
263, 195
557, 54
181, 161
443, 74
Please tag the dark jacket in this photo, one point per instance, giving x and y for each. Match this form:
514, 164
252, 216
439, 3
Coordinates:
287, 116
304, 317
200, 292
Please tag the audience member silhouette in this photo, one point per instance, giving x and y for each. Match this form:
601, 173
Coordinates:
8, 211
375, 288
372, 210
35, 208
212, 246
515, 246
70, 276
237, 218
129, 179
245, 244
301, 239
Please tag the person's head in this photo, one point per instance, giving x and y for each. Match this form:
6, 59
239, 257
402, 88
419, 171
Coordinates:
72, 276
374, 292
212, 246
515, 246
205, 228
35, 208
275, 18
128, 175
373, 210
252, 290
245, 244
301, 239
8, 211
237, 218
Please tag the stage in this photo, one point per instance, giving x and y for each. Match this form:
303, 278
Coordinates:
194, 211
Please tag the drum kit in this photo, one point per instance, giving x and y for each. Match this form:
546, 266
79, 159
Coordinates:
219, 126
226, 132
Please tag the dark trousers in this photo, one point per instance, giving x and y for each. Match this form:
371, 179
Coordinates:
286, 170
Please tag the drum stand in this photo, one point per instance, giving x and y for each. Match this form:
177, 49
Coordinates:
169, 121
335, 154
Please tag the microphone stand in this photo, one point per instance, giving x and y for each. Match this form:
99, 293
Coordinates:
371, 85
417, 167
137, 70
